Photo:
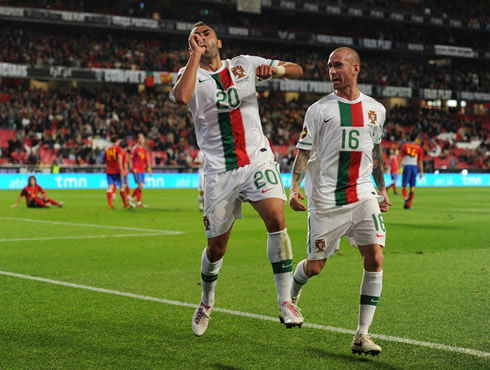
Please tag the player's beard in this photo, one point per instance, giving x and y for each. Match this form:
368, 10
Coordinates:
211, 53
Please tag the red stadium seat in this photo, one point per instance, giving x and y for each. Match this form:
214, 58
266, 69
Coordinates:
5, 136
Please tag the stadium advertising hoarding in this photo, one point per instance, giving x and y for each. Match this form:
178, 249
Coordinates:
191, 180
149, 78
152, 78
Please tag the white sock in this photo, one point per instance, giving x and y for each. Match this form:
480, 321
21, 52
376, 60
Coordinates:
372, 283
281, 257
209, 276
299, 279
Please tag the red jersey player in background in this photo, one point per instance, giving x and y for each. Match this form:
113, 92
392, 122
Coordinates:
125, 179
35, 196
412, 156
115, 169
141, 162
394, 169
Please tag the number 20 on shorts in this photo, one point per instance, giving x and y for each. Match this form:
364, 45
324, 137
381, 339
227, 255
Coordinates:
261, 178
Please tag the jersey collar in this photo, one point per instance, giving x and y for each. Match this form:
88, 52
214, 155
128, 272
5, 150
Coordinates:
343, 100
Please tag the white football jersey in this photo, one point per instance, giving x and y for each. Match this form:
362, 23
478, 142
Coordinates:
341, 135
226, 115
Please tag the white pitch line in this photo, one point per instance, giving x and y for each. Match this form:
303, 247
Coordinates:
467, 351
168, 232
80, 237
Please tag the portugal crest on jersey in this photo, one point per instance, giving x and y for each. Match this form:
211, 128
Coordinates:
238, 71
372, 117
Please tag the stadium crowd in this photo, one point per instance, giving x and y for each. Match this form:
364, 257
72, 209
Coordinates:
473, 11
68, 126
26, 46
69, 123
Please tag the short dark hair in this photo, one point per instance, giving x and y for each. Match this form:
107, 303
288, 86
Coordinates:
199, 23
202, 23
114, 138
413, 136
123, 144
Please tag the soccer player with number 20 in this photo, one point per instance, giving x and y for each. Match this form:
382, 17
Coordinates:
239, 164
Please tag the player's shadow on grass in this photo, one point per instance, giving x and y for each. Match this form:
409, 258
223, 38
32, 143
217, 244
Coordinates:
348, 358
224, 367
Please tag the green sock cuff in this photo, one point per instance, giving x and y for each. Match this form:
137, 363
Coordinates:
297, 282
209, 278
282, 266
369, 300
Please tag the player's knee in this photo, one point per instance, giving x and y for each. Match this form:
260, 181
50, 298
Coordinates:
374, 262
216, 252
313, 268
216, 249
275, 222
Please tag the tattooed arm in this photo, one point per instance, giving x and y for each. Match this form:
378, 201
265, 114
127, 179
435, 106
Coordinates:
299, 171
378, 175
378, 167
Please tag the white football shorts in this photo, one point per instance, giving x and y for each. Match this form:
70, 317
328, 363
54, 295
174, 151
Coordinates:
224, 193
201, 179
361, 222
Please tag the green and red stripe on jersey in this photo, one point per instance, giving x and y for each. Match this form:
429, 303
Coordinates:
231, 127
349, 161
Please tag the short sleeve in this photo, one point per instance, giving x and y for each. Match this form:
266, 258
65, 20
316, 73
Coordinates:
380, 125
23, 192
171, 93
309, 132
258, 61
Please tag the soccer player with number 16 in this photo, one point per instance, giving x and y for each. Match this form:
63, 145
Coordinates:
339, 149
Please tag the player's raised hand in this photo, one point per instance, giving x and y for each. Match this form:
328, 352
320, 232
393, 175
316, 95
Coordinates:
265, 71
295, 202
196, 44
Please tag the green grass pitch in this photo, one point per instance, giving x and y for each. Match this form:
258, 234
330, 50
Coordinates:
435, 287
